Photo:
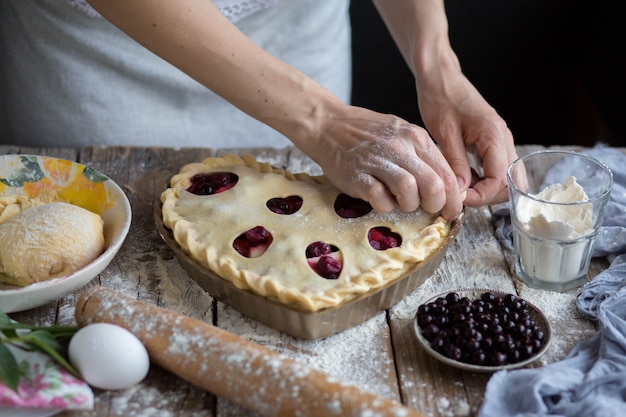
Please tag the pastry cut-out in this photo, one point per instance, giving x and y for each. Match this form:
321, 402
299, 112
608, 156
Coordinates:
324, 259
382, 238
254, 242
285, 205
350, 207
212, 183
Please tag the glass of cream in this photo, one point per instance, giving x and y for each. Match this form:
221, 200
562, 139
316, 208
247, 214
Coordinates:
557, 201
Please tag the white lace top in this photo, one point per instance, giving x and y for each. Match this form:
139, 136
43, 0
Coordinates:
234, 10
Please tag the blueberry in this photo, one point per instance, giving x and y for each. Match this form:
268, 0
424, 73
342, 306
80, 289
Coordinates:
472, 345
509, 299
431, 331
478, 357
442, 320
488, 297
423, 309
498, 358
424, 319
526, 351
454, 352
438, 343
452, 298
459, 318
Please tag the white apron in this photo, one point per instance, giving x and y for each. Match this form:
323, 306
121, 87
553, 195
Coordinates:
69, 78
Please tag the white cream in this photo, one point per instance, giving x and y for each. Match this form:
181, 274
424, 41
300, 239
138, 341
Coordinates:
552, 246
560, 221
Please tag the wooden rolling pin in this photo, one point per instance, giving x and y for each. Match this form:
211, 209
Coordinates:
231, 367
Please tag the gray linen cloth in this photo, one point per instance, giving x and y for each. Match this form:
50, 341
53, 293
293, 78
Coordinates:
591, 380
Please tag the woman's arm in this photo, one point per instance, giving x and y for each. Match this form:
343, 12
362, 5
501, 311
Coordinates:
454, 112
197, 38
379, 158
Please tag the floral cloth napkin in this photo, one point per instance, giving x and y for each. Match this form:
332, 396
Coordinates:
44, 385
591, 380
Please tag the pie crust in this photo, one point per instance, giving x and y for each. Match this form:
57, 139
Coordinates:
205, 226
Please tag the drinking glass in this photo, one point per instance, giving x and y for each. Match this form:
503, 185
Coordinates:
553, 232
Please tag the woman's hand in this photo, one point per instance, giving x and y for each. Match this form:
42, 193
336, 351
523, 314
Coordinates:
454, 112
461, 121
386, 161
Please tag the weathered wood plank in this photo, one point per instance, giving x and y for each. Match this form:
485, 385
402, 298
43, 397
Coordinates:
65, 153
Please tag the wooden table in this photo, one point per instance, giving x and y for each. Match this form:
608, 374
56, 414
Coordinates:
380, 355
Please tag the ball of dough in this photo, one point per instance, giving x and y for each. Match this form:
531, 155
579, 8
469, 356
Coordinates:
48, 241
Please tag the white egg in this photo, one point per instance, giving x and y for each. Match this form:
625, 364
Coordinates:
108, 356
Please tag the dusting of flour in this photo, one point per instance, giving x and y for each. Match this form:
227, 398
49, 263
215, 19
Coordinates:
335, 355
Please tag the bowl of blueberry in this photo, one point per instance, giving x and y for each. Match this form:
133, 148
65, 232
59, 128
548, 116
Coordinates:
482, 330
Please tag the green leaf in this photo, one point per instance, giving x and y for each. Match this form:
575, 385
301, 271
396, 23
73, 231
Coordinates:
6, 325
42, 340
46, 343
59, 332
4, 318
46, 339
9, 370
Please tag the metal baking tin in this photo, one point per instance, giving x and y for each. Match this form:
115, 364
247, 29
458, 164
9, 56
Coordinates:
298, 323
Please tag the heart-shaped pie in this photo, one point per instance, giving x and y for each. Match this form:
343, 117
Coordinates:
293, 238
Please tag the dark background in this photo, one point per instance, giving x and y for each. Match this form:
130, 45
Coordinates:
553, 69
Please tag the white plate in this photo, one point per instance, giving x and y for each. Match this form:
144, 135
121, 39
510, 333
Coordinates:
80, 185
472, 294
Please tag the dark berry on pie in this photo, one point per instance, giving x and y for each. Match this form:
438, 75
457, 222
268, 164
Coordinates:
350, 207
286, 205
492, 330
212, 183
254, 242
329, 267
382, 238
325, 259
317, 249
